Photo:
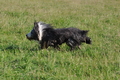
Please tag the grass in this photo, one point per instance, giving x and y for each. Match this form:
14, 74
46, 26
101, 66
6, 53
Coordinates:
21, 59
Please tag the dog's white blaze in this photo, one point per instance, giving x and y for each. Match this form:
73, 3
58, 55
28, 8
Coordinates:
40, 29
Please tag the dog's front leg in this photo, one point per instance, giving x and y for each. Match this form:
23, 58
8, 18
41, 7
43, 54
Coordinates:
57, 47
44, 45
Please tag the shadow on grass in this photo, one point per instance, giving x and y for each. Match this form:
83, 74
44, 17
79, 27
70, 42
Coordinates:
17, 47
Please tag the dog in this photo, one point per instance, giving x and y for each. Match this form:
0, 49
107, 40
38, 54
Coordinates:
48, 36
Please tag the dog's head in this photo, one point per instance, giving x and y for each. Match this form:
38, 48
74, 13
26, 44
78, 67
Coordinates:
37, 31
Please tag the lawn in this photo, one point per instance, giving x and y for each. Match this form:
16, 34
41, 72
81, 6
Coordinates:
21, 59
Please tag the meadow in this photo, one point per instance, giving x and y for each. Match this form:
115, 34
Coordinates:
21, 59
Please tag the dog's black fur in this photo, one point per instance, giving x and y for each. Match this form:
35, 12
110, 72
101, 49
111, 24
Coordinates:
54, 37
71, 36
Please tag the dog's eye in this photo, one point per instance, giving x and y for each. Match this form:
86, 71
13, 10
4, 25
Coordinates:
32, 32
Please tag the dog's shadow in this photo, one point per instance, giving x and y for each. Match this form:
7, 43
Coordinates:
14, 48
17, 47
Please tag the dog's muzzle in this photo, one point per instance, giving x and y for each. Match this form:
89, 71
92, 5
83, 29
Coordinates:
28, 36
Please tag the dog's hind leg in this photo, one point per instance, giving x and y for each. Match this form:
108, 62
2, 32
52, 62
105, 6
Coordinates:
71, 48
72, 43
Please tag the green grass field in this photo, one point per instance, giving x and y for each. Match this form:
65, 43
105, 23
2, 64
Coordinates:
21, 59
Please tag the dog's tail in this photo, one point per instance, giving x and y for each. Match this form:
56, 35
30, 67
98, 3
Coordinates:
88, 40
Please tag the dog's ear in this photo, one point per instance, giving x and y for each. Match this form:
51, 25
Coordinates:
36, 27
35, 24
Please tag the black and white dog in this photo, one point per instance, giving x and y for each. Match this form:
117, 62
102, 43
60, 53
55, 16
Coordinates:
48, 36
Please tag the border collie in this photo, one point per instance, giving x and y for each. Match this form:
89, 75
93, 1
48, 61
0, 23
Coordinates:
48, 36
